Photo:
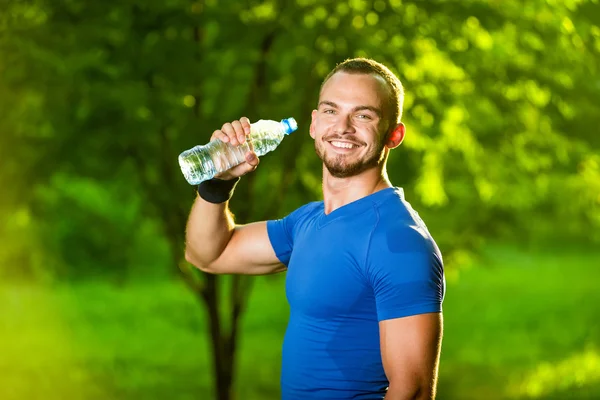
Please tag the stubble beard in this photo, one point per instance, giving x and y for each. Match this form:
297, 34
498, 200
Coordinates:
339, 166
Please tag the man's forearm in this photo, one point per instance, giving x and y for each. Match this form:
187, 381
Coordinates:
209, 229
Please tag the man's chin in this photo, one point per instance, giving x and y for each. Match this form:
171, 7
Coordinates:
344, 171
342, 175
340, 166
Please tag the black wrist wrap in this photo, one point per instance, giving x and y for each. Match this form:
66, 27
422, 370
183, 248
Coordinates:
217, 190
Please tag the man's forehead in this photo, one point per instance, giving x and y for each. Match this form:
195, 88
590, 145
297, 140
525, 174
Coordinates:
346, 83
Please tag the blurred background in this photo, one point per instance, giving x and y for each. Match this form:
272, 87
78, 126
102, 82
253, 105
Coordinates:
98, 98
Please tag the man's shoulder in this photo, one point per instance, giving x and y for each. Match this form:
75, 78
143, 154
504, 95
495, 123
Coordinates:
393, 210
400, 227
299, 215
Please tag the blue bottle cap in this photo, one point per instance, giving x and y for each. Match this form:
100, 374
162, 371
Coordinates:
290, 125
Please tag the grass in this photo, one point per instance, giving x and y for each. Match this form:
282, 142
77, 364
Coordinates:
518, 326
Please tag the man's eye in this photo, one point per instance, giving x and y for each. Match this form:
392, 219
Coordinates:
328, 111
364, 116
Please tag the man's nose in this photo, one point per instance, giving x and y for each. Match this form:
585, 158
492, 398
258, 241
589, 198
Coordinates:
345, 124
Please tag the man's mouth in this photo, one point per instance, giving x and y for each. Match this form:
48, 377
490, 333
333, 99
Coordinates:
342, 145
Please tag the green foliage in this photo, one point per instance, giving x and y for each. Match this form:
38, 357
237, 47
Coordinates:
116, 237
500, 107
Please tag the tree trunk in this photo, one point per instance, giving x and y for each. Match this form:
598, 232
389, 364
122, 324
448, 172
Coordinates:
224, 336
221, 360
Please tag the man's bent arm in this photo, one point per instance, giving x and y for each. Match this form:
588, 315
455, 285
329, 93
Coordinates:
216, 245
410, 350
213, 242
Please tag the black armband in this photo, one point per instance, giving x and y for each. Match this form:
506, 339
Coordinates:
217, 190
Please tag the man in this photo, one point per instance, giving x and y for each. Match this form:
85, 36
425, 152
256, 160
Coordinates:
365, 279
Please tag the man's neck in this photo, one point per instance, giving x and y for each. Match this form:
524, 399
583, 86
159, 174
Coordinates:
337, 192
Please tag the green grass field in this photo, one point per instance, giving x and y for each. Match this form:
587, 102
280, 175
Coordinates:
517, 326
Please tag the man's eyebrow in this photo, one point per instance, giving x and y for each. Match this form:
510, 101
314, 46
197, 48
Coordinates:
357, 108
370, 108
328, 103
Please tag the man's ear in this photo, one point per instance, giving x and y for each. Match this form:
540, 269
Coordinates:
312, 122
396, 136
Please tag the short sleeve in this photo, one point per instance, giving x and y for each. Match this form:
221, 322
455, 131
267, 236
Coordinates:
281, 239
407, 275
282, 232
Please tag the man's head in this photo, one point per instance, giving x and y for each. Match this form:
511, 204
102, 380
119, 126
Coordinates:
367, 66
358, 117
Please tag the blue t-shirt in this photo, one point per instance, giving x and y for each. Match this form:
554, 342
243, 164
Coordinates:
368, 261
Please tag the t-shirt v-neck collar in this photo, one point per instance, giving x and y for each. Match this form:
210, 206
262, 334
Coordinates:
357, 206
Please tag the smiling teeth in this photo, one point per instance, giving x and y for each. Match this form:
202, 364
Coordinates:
344, 145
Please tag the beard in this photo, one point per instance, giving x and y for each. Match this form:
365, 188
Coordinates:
343, 166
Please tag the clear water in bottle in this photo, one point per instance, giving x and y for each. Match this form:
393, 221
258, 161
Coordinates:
204, 162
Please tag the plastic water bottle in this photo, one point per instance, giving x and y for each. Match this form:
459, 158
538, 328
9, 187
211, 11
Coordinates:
201, 163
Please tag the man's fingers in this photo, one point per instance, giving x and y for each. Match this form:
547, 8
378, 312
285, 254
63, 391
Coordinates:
239, 170
239, 131
235, 133
252, 159
229, 130
218, 134
249, 167
245, 124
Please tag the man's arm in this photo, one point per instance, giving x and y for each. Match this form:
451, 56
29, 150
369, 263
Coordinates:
410, 350
214, 243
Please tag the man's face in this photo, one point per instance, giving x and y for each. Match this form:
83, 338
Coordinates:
350, 124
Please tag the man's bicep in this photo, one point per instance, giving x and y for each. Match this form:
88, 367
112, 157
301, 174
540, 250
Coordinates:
410, 350
249, 251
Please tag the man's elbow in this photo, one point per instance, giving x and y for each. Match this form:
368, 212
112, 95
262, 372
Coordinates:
422, 391
196, 262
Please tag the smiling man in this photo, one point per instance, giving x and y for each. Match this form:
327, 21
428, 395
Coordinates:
365, 279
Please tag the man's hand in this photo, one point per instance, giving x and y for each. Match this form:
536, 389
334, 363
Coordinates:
235, 133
